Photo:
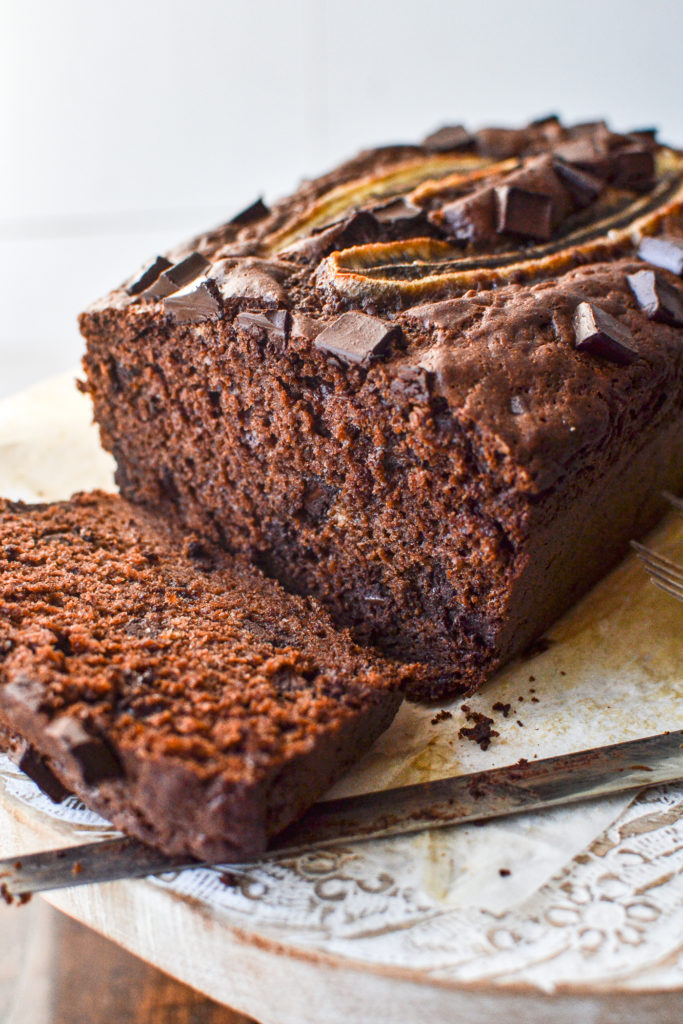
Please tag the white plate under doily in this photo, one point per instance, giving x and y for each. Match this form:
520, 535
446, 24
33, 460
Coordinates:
587, 926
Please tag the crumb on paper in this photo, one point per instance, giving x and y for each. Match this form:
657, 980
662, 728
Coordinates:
521, 724
504, 872
503, 709
441, 716
480, 732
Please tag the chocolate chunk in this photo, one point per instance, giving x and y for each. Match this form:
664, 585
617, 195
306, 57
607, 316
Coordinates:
249, 279
600, 334
586, 154
257, 211
501, 143
665, 252
356, 337
358, 229
95, 759
399, 210
646, 136
273, 321
304, 327
588, 127
583, 187
177, 276
148, 274
413, 383
195, 303
547, 119
523, 213
24, 693
656, 297
37, 769
634, 168
469, 219
449, 137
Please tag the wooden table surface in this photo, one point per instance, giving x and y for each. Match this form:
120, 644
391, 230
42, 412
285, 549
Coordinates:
56, 971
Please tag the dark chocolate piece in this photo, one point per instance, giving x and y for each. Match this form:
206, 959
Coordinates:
195, 303
273, 321
501, 143
37, 769
634, 168
647, 136
665, 252
413, 383
95, 759
177, 276
249, 279
656, 297
586, 154
588, 127
358, 229
523, 213
449, 137
398, 211
518, 405
468, 219
547, 119
583, 187
257, 211
148, 274
597, 332
356, 337
24, 693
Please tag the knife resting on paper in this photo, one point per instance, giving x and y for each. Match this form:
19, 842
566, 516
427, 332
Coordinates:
514, 789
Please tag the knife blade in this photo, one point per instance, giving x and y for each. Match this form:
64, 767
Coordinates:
499, 792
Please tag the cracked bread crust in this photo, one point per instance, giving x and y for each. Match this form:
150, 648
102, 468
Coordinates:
453, 491
183, 696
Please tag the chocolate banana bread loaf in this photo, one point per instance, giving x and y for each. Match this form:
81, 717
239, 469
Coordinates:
179, 693
439, 388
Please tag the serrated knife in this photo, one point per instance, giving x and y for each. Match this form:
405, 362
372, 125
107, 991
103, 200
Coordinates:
515, 789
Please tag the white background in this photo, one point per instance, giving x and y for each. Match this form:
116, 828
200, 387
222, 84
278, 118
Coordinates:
126, 126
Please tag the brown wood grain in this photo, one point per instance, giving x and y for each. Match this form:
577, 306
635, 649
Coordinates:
56, 971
